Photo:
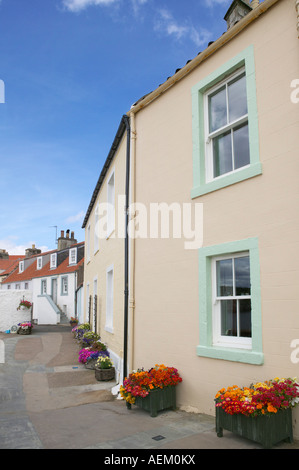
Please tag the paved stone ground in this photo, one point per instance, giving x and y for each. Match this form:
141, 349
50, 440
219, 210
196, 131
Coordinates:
50, 401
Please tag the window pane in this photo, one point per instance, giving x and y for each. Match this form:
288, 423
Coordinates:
242, 276
222, 153
237, 98
228, 317
217, 109
241, 146
245, 318
224, 270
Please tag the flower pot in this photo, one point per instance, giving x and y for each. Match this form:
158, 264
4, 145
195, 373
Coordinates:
24, 331
105, 374
266, 430
157, 400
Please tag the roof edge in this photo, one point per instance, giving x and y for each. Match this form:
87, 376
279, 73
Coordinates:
117, 139
211, 49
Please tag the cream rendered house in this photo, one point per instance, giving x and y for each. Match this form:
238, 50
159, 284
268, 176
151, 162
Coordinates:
217, 143
104, 225
223, 132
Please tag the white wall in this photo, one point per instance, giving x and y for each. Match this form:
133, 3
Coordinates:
9, 302
44, 312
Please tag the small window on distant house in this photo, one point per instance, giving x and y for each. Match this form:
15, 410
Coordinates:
53, 260
26, 285
64, 285
44, 286
8, 286
39, 263
18, 286
21, 266
73, 256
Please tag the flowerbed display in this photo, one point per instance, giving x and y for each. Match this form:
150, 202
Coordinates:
79, 330
24, 304
153, 390
88, 354
25, 328
261, 412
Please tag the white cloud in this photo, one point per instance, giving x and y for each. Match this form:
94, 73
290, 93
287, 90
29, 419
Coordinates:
75, 218
13, 248
167, 24
78, 5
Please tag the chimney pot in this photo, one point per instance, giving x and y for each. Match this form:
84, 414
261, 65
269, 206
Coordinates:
62, 234
72, 235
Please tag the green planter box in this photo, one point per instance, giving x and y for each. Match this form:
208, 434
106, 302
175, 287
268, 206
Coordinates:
157, 400
266, 430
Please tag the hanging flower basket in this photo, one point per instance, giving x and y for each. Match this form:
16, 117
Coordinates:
153, 390
261, 412
24, 305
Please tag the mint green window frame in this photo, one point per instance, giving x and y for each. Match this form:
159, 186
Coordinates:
206, 347
200, 185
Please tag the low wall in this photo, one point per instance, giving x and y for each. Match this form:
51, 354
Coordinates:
9, 302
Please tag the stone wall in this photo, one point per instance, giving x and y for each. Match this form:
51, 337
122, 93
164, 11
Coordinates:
9, 302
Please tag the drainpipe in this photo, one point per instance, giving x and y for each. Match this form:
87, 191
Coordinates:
126, 292
297, 10
132, 242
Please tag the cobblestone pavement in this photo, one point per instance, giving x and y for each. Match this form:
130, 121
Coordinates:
50, 401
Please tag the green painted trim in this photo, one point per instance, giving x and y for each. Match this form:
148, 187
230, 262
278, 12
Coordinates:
206, 348
200, 186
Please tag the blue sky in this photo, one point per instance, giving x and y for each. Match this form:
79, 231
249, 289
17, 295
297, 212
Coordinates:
71, 69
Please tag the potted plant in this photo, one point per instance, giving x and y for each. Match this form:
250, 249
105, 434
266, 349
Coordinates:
24, 305
104, 369
79, 330
153, 390
73, 321
88, 338
25, 328
261, 412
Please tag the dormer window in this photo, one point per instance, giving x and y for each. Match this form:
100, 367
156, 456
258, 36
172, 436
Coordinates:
73, 256
53, 260
39, 263
21, 266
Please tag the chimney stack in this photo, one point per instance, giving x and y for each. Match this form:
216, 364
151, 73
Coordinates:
67, 240
4, 254
237, 10
32, 251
